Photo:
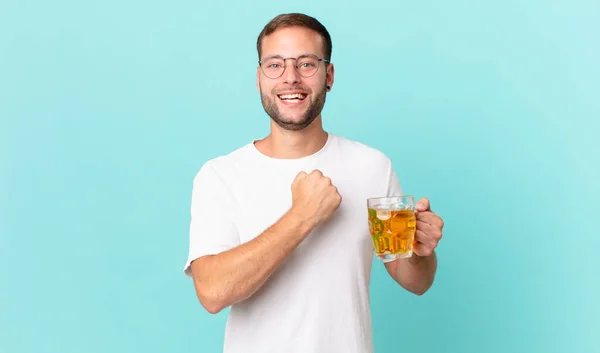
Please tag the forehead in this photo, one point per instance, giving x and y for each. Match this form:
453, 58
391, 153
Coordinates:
291, 42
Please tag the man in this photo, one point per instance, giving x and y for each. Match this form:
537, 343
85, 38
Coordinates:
279, 230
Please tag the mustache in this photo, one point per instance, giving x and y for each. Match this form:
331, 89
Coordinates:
292, 89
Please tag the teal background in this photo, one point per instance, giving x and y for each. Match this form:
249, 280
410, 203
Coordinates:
109, 108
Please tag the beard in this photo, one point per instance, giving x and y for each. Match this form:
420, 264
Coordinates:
312, 112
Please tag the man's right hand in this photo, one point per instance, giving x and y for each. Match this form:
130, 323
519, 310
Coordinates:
314, 197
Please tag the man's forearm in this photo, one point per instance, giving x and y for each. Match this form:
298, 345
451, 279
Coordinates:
234, 275
416, 273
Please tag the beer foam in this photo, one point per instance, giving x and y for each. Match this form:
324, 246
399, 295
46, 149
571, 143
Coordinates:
382, 208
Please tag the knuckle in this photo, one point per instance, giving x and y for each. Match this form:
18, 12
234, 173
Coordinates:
300, 176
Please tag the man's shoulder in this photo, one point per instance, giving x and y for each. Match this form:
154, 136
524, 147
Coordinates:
224, 163
358, 149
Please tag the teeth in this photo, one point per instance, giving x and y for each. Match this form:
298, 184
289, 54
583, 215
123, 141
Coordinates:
292, 96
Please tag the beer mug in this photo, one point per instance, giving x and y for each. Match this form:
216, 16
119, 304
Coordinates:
392, 224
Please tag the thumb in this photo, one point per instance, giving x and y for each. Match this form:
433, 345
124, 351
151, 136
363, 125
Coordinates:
423, 205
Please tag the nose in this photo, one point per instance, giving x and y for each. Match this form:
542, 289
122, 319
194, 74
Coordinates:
290, 75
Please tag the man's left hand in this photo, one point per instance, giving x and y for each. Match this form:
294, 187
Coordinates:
429, 229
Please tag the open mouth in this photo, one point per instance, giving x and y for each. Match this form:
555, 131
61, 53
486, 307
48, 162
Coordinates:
292, 98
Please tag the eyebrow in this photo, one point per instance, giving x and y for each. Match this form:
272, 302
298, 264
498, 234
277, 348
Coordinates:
281, 57
272, 57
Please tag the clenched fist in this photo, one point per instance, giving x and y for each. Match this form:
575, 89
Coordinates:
314, 197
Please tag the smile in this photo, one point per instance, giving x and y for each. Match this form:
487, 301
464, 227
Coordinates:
292, 98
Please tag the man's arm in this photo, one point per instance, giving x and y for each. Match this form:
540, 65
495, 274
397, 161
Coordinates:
231, 276
415, 274
234, 275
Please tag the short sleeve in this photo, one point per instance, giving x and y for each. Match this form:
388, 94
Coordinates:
393, 182
212, 229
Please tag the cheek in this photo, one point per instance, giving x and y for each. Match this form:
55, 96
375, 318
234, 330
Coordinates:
264, 85
320, 83
265, 90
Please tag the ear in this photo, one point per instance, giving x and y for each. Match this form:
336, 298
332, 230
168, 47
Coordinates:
258, 79
329, 77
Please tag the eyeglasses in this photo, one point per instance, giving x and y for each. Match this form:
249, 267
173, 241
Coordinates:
306, 65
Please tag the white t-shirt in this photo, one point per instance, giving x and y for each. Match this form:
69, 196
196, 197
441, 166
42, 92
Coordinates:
317, 301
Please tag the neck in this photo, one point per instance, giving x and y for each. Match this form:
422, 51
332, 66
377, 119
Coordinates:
287, 144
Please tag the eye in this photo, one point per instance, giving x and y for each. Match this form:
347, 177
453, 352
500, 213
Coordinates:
307, 65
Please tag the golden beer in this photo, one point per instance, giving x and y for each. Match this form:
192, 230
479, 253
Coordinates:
392, 231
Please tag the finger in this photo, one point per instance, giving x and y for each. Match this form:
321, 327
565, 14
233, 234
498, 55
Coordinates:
299, 177
430, 231
316, 172
422, 249
423, 205
424, 227
430, 218
426, 239
428, 228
